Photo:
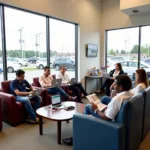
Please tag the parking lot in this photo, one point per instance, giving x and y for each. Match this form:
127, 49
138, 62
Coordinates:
31, 71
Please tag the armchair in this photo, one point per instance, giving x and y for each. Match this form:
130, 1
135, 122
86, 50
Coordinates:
47, 97
0, 116
122, 134
13, 112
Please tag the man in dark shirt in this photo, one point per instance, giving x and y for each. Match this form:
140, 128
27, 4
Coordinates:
19, 88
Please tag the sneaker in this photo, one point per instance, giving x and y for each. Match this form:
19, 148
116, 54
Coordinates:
31, 121
68, 141
72, 98
38, 121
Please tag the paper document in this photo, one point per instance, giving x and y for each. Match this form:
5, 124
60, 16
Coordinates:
93, 98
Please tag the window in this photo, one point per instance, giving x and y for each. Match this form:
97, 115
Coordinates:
26, 43
145, 46
62, 46
1, 62
122, 45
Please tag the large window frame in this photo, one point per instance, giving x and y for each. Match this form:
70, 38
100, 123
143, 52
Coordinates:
47, 17
139, 42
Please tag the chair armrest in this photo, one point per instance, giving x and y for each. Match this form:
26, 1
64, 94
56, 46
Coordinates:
8, 100
90, 133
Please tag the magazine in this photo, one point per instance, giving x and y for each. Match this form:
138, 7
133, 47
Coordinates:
94, 99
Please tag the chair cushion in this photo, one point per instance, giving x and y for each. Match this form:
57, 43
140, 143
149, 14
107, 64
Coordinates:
36, 82
5, 85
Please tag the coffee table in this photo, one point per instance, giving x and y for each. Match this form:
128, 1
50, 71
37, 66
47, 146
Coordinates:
59, 115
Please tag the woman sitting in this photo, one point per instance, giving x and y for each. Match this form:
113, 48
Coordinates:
141, 83
113, 73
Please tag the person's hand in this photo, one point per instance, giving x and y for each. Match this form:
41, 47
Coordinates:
94, 106
112, 78
30, 92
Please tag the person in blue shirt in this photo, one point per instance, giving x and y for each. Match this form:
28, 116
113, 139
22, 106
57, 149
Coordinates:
21, 89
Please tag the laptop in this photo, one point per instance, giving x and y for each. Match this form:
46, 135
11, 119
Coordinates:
56, 82
56, 101
35, 92
73, 80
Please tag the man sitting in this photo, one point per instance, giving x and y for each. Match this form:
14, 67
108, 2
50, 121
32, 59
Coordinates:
18, 88
75, 88
122, 85
46, 81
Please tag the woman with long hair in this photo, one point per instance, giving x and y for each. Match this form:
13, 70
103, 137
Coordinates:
113, 73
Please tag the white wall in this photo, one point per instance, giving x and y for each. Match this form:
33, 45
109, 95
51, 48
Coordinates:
84, 12
113, 18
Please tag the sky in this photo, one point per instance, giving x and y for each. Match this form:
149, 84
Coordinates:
126, 38
33, 30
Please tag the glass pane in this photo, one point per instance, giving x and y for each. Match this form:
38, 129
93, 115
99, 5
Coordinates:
26, 43
62, 46
145, 48
1, 62
122, 47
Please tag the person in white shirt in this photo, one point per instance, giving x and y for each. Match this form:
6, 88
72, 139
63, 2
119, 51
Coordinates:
140, 84
46, 81
122, 85
75, 88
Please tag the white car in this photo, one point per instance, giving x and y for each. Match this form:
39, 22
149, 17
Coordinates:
130, 67
17, 61
41, 63
10, 67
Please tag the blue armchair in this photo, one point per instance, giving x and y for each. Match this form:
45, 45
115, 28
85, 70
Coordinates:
123, 134
146, 113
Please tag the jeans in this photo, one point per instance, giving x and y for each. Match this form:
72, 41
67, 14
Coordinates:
27, 103
107, 84
89, 111
58, 90
105, 100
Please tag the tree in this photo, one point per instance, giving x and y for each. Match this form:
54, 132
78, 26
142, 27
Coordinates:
112, 52
123, 51
135, 49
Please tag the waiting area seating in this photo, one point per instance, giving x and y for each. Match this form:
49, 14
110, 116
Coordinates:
14, 112
0, 115
128, 130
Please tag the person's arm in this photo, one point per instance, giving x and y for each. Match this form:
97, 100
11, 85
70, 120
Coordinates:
101, 114
41, 81
112, 86
19, 93
28, 85
138, 89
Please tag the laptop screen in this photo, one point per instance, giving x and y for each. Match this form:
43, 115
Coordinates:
56, 99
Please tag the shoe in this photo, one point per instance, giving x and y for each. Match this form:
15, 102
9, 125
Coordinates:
68, 141
31, 121
38, 121
72, 98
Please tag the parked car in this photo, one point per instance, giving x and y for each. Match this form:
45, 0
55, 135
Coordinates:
17, 61
146, 60
130, 66
41, 63
117, 59
66, 61
32, 60
10, 67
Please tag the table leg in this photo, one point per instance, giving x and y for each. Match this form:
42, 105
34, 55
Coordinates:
41, 125
59, 132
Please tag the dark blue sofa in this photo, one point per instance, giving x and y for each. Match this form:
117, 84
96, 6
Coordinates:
124, 134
